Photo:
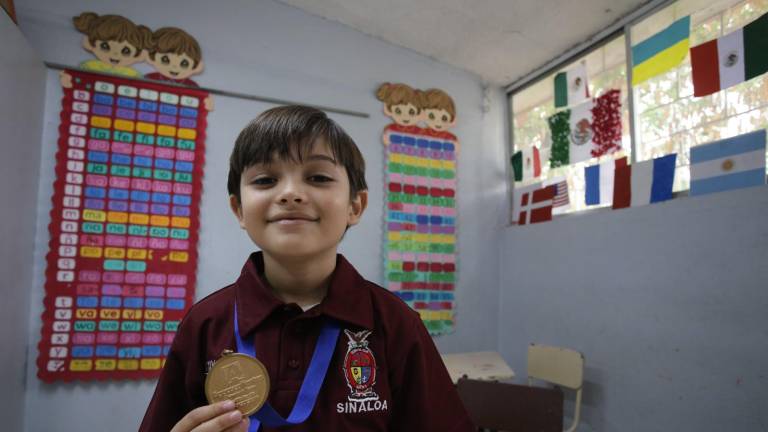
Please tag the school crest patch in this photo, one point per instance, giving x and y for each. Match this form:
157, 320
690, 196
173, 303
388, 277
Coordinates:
360, 367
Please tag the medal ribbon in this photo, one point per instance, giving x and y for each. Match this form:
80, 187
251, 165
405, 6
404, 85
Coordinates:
310, 387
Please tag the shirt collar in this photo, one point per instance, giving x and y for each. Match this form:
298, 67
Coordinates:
348, 297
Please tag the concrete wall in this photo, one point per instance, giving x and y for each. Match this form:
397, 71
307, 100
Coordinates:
667, 302
21, 90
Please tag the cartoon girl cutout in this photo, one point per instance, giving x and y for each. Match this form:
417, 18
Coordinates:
176, 56
403, 105
115, 41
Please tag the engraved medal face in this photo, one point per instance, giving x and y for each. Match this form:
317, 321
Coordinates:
239, 378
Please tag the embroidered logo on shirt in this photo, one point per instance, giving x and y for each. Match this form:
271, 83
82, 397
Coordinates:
360, 373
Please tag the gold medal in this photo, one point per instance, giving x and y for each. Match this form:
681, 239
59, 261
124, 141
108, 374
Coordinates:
239, 378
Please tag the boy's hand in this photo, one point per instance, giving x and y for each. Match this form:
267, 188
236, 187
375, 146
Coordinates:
219, 417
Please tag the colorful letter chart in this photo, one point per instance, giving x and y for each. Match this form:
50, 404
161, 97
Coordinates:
123, 248
420, 248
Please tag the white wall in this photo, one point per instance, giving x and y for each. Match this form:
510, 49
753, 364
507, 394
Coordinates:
270, 49
668, 303
22, 96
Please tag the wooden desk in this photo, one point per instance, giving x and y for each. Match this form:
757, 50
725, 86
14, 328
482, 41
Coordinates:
484, 366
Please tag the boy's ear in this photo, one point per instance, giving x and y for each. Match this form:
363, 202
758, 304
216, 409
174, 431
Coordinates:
357, 207
237, 210
143, 56
387, 112
87, 45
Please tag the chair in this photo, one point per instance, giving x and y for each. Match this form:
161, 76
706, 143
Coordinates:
560, 366
512, 407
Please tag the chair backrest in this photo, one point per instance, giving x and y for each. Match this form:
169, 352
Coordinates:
560, 366
512, 407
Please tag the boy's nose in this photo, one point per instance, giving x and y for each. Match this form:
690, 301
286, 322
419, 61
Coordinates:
291, 192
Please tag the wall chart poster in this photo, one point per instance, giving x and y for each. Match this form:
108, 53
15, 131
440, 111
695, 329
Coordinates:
123, 234
420, 199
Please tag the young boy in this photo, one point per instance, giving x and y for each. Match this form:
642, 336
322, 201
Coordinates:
296, 184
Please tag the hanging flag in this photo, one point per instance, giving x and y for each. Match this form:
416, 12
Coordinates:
661, 52
588, 130
736, 57
561, 201
599, 181
644, 182
526, 164
536, 206
518, 193
727, 164
571, 86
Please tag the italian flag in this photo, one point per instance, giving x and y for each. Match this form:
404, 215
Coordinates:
734, 58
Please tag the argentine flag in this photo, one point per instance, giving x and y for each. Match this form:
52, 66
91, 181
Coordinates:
727, 164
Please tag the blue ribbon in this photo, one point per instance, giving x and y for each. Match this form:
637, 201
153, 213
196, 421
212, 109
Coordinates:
310, 387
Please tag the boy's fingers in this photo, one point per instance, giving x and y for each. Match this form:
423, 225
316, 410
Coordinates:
240, 427
221, 423
200, 415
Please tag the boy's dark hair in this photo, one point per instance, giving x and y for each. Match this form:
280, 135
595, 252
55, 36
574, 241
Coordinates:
288, 133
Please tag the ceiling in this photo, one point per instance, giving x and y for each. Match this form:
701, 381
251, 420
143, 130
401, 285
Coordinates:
499, 40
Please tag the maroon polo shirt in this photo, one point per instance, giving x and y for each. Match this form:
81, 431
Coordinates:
408, 389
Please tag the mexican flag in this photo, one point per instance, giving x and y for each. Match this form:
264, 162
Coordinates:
526, 164
729, 60
571, 86
590, 129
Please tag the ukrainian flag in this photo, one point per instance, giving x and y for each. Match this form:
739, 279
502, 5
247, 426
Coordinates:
661, 52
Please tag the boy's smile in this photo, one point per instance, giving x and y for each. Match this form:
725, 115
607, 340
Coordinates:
297, 209
114, 52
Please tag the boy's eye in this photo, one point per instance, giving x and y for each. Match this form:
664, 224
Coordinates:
165, 60
104, 46
398, 111
320, 178
125, 51
431, 116
184, 63
263, 181
412, 111
445, 118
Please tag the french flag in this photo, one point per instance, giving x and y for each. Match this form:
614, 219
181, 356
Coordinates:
599, 181
644, 182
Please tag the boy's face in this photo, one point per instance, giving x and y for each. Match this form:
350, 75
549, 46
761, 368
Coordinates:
297, 209
438, 119
113, 52
403, 114
175, 66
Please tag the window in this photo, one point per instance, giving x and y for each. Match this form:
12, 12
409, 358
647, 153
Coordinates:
667, 118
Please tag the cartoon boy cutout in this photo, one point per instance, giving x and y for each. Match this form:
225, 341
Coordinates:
176, 56
439, 110
403, 105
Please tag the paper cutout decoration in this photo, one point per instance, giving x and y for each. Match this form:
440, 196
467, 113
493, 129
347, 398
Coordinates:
115, 41
175, 55
731, 59
599, 181
526, 164
588, 130
124, 227
536, 206
728, 164
517, 197
420, 201
561, 201
661, 52
644, 183
571, 86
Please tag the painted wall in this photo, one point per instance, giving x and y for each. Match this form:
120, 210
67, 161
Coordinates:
667, 302
270, 49
21, 72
